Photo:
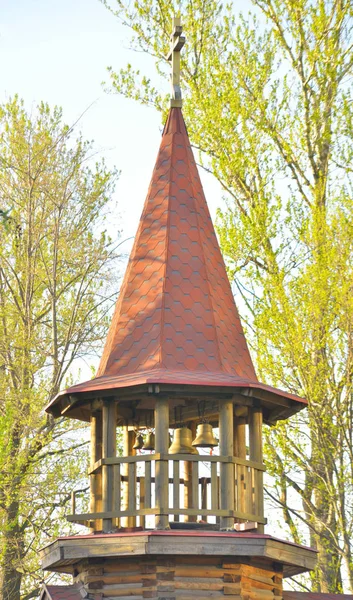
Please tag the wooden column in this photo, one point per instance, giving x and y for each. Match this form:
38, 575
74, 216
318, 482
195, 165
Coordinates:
255, 447
108, 451
161, 422
128, 442
96, 478
188, 481
240, 452
226, 469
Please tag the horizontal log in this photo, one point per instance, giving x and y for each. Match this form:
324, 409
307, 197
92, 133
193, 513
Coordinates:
113, 578
200, 579
248, 570
200, 571
203, 584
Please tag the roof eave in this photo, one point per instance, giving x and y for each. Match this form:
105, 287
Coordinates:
277, 404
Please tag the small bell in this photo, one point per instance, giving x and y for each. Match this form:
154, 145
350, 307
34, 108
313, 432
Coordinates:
149, 443
204, 436
138, 445
182, 442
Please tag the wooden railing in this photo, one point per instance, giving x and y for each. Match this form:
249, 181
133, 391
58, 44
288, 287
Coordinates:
194, 494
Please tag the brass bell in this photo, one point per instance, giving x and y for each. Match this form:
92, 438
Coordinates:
182, 442
149, 443
204, 436
138, 442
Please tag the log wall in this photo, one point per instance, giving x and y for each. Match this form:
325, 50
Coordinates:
180, 578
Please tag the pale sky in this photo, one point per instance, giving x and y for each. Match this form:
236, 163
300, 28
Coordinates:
58, 52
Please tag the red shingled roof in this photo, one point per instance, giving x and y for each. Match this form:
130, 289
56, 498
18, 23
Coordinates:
60, 592
175, 321
176, 310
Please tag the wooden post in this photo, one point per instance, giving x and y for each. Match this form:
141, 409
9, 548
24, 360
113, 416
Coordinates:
128, 442
240, 452
108, 451
161, 421
255, 444
96, 478
188, 484
226, 469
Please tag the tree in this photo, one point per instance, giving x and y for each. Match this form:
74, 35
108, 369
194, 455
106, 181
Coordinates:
268, 104
55, 291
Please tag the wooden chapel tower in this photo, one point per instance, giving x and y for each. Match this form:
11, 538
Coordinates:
167, 522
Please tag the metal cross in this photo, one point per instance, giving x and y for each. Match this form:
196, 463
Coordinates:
177, 42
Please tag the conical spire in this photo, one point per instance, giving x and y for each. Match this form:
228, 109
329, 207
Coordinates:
176, 312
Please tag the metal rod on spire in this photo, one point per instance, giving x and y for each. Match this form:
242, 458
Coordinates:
177, 42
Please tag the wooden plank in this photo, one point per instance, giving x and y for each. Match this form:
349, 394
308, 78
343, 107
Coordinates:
197, 571
148, 487
127, 493
117, 492
108, 450
255, 439
176, 487
248, 570
96, 455
240, 453
214, 487
195, 486
180, 457
132, 488
200, 584
166, 510
113, 579
161, 420
226, 469
203, 482
142, 501
200, 594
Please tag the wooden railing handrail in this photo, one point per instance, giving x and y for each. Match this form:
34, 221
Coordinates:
166, 511
118, 460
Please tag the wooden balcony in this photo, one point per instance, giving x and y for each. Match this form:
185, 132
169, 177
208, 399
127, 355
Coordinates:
159, 491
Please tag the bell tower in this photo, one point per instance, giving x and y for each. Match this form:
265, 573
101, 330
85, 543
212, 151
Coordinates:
181, 518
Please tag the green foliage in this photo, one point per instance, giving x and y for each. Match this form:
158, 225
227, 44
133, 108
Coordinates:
268, 104
55, 261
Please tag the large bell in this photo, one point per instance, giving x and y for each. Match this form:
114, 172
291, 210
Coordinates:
149, 443
138, 445
204, 436
182, 442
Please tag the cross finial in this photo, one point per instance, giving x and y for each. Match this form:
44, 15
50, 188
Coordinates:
177, 42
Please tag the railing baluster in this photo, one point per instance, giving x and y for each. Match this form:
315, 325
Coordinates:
248, 491
117, 492
203, 482
142, 501
148, 487
214, 486
132, 488
195, 485
176, 487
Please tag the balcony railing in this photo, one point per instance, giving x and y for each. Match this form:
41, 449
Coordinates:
194, 491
